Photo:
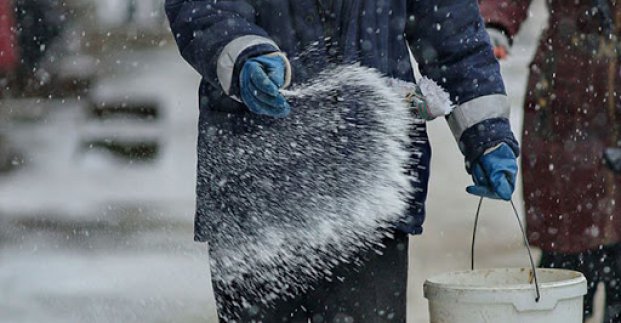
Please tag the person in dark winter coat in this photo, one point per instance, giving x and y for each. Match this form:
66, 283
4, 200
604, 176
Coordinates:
571, 117
39, 24
246, 51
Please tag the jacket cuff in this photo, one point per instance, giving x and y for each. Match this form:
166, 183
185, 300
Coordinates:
485, 135
237, 51
476, 110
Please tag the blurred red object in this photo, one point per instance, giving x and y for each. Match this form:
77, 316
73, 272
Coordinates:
9, 56
501, 52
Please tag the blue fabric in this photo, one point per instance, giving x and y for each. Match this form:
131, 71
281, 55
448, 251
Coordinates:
494, 174
484, 135
260, 79
452, 47
413, 223
249, 53
448, 39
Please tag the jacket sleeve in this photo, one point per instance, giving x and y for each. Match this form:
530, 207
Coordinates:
505, 15
449, 41
216, 36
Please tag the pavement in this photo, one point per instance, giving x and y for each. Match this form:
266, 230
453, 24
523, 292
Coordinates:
88, 236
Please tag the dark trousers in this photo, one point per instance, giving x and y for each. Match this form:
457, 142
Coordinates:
371, 291
602, 265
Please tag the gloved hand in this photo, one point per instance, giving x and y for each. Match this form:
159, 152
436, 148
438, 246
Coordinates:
260, 80
500, 42
494, 174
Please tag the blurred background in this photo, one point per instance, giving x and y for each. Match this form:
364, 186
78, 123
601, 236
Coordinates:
98, 118
97, 159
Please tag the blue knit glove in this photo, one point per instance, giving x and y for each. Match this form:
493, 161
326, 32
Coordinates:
494, 174
260, 80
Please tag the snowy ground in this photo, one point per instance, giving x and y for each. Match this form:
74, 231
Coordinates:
85, 237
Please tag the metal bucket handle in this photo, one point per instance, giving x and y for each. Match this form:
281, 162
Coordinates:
530, 255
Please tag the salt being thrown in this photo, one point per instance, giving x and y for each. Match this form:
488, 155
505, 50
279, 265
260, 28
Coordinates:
289, 199
427, 99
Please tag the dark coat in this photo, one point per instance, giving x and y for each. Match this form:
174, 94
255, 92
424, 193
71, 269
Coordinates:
571, 114
448, 39
39, 23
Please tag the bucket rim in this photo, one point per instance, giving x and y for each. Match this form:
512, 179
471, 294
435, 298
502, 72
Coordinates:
571, 281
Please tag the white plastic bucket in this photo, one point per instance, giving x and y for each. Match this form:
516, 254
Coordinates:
506, 295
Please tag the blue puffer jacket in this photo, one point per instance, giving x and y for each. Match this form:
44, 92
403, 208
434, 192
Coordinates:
447, 39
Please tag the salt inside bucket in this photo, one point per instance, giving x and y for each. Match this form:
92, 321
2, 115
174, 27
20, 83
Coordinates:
506, 295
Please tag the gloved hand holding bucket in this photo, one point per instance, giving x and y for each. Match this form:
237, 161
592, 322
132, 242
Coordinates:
511, 295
